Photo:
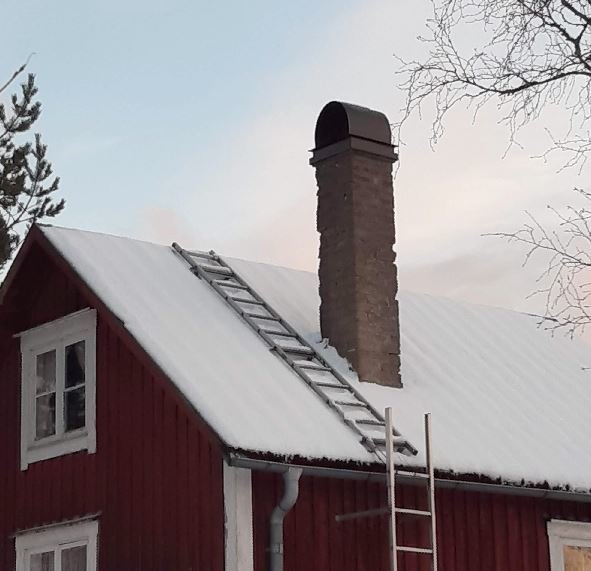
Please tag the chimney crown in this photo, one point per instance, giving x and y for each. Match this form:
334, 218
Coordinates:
343, 127
339, 121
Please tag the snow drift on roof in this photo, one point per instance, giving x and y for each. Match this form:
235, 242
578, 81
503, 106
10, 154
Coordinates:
508, 400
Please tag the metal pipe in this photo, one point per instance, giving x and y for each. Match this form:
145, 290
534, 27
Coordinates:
391, 474
291, 491
432, 504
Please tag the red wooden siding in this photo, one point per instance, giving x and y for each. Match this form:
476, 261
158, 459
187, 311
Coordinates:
476, 530
156, 478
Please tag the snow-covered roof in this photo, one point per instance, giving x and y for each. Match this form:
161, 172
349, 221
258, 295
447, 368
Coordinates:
507, 399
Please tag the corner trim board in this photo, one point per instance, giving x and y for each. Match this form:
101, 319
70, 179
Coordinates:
238, 540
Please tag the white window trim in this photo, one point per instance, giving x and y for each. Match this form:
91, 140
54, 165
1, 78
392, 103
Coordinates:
69, 329
52, 538
561, 533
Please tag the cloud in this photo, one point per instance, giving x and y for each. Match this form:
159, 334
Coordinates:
490, 276
164, 226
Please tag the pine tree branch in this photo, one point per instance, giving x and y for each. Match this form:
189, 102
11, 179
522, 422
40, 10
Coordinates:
20, 70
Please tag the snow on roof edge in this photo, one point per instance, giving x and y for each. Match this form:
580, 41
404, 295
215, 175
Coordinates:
540, 483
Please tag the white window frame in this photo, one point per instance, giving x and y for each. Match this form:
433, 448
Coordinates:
56, 539
562, 533
55, 335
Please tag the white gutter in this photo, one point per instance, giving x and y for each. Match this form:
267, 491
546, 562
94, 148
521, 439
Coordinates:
410, 477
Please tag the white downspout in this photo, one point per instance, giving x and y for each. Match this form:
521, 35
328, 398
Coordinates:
291, 490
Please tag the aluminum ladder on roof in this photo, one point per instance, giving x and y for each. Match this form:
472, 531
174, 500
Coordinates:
394, 512
342, 397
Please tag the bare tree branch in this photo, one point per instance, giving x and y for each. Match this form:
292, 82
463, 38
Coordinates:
534, 53
565, 283
526, 56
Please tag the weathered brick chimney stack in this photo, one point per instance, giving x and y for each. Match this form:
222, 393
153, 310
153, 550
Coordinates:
358, 282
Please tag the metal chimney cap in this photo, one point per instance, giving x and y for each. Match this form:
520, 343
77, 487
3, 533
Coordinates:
339, 121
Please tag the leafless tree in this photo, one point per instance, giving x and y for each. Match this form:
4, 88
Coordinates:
524, 57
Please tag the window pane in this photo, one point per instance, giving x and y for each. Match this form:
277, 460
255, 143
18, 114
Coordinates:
74, 559
75, 359
42, 561
74, 409
46, 372
45, 416
577, 558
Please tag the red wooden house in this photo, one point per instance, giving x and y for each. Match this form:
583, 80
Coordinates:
164, 409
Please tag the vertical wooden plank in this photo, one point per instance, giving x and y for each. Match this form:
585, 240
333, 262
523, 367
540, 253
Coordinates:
108, 452
364, 540
183, 519
204, 477
514, 535
195, 529
136, 461
337, 490
169, 487
149, 459
461, 532
499, 518
472, 532
528, 533
320, 502
217, 508
486, 534
542, 545
159, 506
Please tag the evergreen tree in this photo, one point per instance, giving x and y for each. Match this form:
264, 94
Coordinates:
27, 183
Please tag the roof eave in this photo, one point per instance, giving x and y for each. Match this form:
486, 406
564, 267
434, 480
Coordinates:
408, 476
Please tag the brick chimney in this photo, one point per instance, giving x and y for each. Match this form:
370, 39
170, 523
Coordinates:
358, 282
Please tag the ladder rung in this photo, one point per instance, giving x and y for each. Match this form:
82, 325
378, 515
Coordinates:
353, 404
247, 301
301, 350
233, 285
265, 317
400, 447
278, 333
222, 270
370, 421
407, 511
330, 385
314, 367
425, 550
205, 255
399, 442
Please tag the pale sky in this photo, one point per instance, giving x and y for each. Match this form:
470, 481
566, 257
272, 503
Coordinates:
192, 121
